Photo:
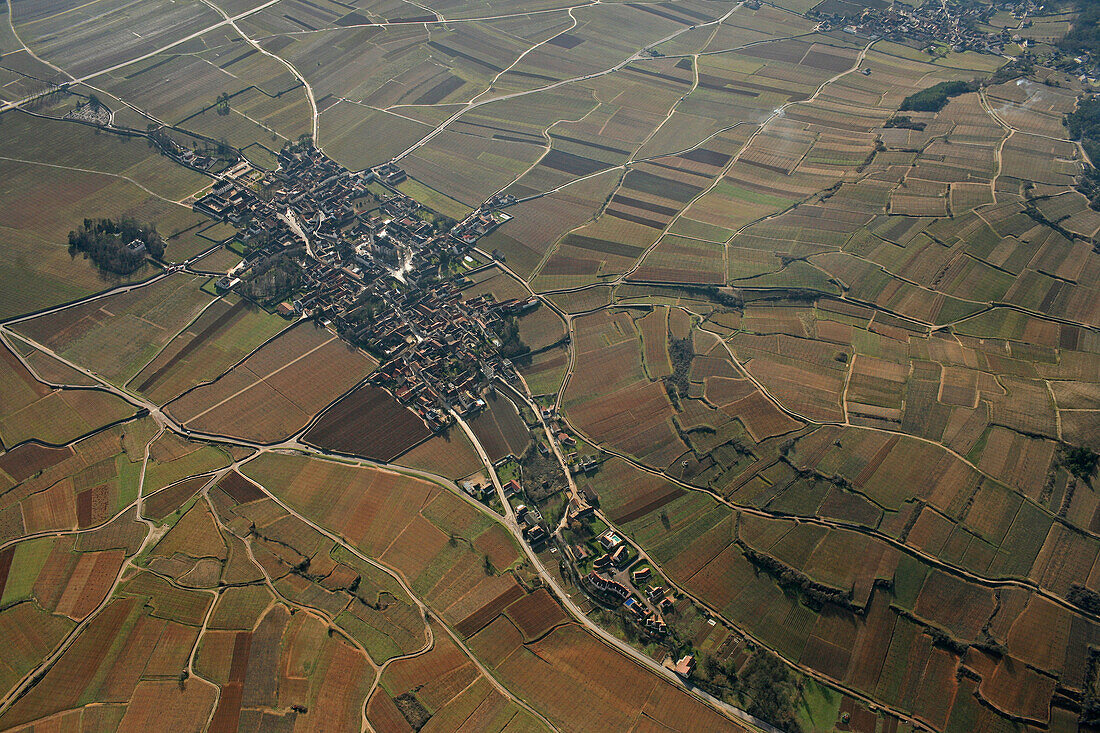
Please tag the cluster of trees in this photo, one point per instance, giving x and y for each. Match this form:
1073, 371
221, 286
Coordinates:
511, 345
1081, 462
934, 98
1085, 35
816, 594
1084, 598
443, 223
273, 279
772, 690
905, 122
369, 306
681, 352
1084, 122
1084, 125
105, 241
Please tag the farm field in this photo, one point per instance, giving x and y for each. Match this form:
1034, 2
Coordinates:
368, 422
239, 402
668, 365
64, 173
221, 336
117, 335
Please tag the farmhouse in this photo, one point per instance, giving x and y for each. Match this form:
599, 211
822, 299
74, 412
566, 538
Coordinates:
684, 667
226, 283
580, 510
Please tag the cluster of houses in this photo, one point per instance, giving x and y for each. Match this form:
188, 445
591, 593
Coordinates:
373, 264
531, 525
438, 350
599, 580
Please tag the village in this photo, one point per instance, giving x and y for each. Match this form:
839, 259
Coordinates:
387, 274
351, 251
951, 24
375, 265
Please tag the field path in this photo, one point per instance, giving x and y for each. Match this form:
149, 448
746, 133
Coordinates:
123, 64
270, 374
472, 104
734, 713
289, 66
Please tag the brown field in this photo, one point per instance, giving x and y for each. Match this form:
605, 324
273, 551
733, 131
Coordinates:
478, 619
500, 429
654, 329
221, 336
91, 580
156, 701
275, 390
535, 614
450, 454
497, 545
33, 410
27, 460
239, 488
647, 503
167, 500
56, 372
617, 689
369, 422
50, 509
117, 334
761, 418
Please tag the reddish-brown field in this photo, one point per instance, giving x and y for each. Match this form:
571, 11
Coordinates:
370, 423
91, 579
636, 419
167, 500
27, 460
450, 454
535, 614
241, 489
478, 619
500, 430
157, 701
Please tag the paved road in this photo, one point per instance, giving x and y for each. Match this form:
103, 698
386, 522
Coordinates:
736, 714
